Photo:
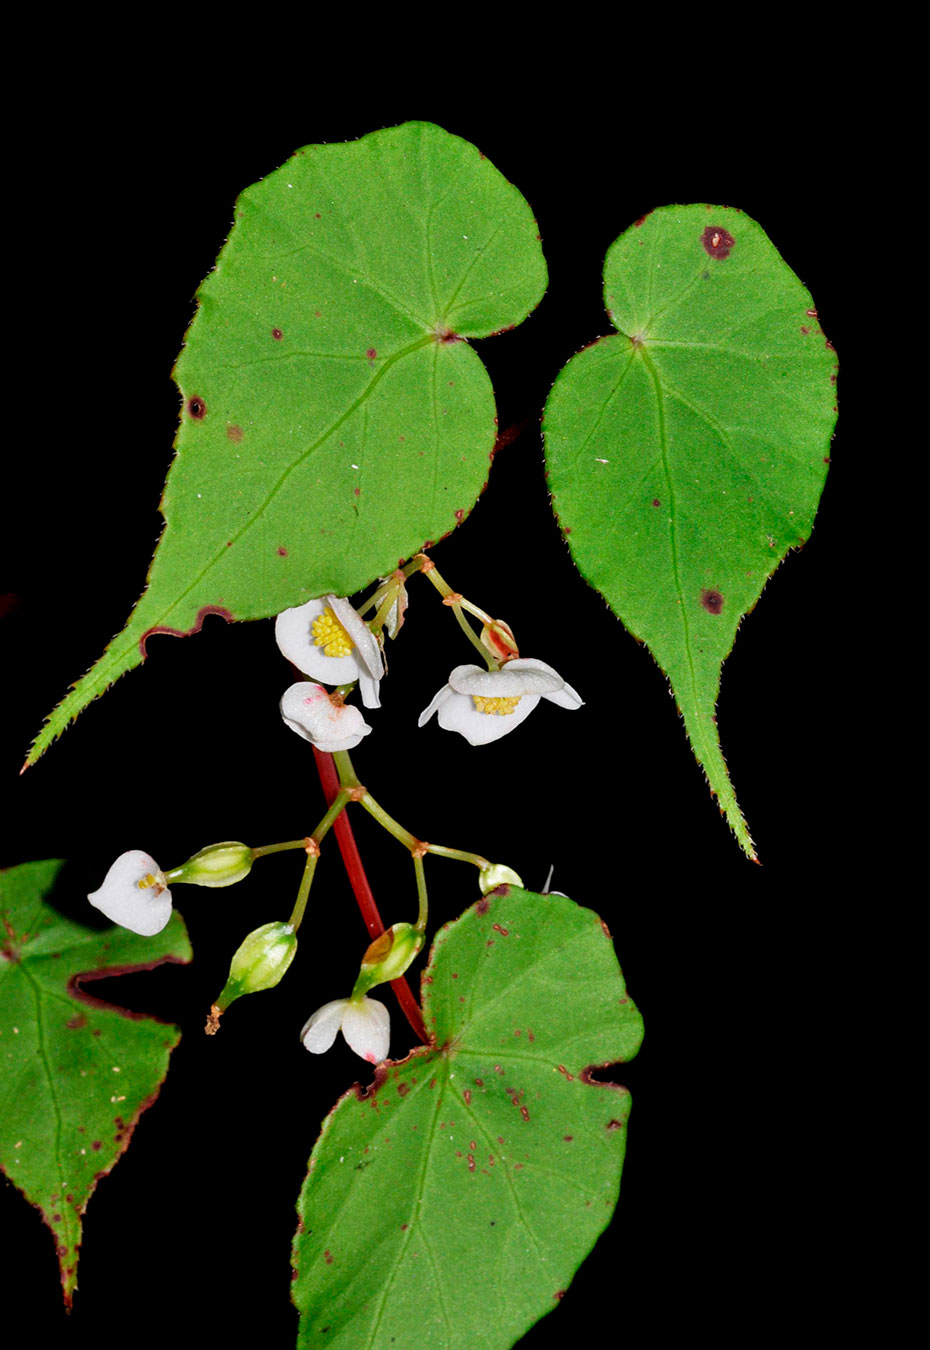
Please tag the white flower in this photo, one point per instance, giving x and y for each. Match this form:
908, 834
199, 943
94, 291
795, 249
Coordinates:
135, 894
485, 704
327, 640
365, 1023
324, 721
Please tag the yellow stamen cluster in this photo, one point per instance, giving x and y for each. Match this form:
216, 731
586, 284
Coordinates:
502, 706
329, 634
154, 882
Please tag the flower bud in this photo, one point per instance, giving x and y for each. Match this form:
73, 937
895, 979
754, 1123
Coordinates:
499, 640
259, 963
216, 865
388, 957
496, 874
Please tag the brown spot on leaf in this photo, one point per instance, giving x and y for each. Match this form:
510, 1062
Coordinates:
483, 905
76, 1022
717, 242
234, 434
712, 601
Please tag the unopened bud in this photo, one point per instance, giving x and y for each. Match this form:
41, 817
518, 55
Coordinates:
216, 865
395, 615
388, 957
496, 874
259, 963
499, 640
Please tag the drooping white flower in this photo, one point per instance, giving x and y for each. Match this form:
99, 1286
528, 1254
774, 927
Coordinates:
365, 1023
321, 719
483, 705
135, 894
327, 640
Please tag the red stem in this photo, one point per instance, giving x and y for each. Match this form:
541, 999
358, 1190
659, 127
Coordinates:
329, 777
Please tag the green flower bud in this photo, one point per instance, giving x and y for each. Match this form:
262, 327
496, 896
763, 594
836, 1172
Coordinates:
388, 957
496, 874
259, 963
216, 865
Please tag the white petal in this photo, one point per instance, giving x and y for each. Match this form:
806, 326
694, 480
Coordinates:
515, 678
293, 632
440, 698
366, 644
566, 697
144, 910
368, 688
319, 1032
458, 713
308, 709
367, 1027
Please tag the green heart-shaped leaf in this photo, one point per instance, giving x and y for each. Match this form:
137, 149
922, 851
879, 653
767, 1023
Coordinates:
450, 1204
335, 418
77, 1072
687, 454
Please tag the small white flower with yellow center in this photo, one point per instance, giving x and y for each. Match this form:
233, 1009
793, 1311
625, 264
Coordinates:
327, 640
323, 719
135, 894
365, 1023
483, 705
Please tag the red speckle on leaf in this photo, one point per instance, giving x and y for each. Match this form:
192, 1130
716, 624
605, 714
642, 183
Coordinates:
829, 345
811, 313
467, 1095
460, 515
615, 1125
656, 502
76, 1022
805, 331
525, 1114
712, 601
328, 1257
483, 905
717, 242
282, 552
403, 1089
277, 334
96, 1146
371, 353
569, 1076
504, 932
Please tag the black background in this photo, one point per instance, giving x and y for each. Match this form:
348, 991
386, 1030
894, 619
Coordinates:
737, 1149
